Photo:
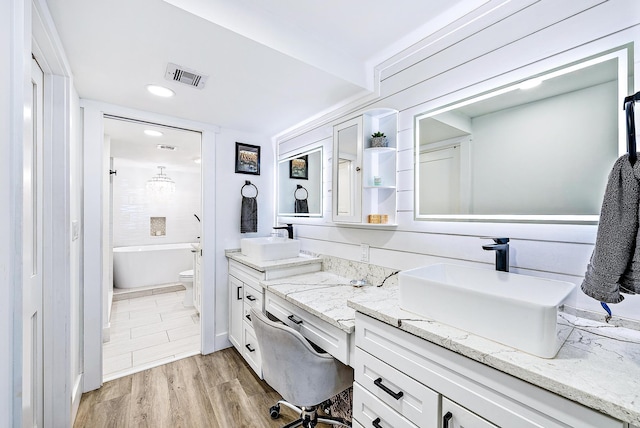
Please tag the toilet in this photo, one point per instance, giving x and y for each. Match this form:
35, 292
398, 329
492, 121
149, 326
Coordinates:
186, 278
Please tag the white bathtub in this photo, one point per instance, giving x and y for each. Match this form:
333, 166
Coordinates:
148, 265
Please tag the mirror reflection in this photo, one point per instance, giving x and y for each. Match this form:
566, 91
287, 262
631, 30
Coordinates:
539, 150
300, 184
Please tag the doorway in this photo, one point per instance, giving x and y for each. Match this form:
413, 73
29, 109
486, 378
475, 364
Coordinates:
152, 221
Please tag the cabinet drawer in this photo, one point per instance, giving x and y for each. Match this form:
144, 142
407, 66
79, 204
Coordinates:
253, 299
328, 337
251, 351
506, 400
459, 417
371, 412
417, 403
245, 273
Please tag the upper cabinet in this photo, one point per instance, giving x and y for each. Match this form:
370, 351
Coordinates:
365, 169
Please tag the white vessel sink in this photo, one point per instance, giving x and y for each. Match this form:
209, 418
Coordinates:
516, 310
269, 248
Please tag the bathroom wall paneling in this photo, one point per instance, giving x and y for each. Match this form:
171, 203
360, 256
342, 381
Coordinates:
515, 41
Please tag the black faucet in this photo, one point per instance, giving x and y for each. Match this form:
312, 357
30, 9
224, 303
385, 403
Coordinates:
289, 228
501, 247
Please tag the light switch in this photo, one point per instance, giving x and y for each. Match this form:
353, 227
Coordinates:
364, 249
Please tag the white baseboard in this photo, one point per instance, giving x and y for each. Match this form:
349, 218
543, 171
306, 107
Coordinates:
222, 341
76, 396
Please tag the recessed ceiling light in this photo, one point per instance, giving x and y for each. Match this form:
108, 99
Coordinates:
160, 91
152, 133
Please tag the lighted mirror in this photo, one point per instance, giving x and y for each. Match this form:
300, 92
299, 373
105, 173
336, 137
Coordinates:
538, 150
300, 184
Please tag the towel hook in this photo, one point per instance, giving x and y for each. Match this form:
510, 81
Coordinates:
300, 187
248, 183
631, 126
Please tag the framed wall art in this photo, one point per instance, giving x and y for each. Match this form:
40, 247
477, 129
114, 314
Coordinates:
299, 168
247, 159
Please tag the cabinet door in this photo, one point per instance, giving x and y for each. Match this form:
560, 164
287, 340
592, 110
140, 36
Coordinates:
455, 416
347, 171
236, 312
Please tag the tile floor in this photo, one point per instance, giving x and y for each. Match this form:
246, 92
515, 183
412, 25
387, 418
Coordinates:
149, 331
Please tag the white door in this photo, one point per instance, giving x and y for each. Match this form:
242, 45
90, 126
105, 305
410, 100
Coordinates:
440, 181
32, 343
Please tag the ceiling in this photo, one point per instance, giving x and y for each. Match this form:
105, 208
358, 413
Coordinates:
271, 64
128, 141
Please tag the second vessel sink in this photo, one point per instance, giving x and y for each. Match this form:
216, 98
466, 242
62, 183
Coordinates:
517, 310
269, 248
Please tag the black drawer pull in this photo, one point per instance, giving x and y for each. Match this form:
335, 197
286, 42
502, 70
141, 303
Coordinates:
445, 419
294, 320
239, 293
376, 423
251, 298
248, 316
249, 347
396, 395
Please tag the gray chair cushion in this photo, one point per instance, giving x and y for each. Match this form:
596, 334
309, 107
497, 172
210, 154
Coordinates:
292, 367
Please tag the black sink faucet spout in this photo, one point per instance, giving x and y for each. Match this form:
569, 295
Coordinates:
288, 227
501, 247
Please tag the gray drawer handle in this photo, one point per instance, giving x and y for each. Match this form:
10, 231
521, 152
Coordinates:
445, 419
248, 316
376, 423
294, 320
251, 298
249, 348
396, 395
239, 293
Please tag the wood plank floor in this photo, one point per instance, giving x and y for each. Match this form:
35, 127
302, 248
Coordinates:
216, 390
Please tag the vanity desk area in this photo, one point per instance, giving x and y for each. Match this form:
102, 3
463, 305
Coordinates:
411, 371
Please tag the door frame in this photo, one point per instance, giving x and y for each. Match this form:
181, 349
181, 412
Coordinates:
61, 388
93, 137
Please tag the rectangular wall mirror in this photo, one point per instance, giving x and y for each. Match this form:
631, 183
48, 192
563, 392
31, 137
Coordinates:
300, 184
538, 150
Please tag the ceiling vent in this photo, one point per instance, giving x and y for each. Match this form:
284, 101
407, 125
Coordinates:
185, 75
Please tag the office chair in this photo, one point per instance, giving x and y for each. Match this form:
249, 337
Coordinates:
304, 377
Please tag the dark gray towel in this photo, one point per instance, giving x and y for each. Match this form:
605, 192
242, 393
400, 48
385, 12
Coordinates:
615, 263
249, 215
301, 206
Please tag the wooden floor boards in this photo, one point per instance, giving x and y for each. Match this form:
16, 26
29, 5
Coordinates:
216, 390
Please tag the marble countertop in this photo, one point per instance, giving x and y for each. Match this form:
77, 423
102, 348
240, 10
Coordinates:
261, 266
598, 365
322, 294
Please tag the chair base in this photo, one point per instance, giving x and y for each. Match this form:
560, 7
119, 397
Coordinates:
308, 416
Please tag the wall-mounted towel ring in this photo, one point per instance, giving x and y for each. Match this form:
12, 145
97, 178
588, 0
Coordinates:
248, 183
295, 193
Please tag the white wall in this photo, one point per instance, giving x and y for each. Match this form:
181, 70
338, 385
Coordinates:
228, 200
133, 205
514, 41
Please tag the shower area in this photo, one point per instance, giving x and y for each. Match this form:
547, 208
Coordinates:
153, 212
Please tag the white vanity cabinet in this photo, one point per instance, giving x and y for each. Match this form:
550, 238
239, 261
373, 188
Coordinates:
365, 176
402, 380
245, 293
